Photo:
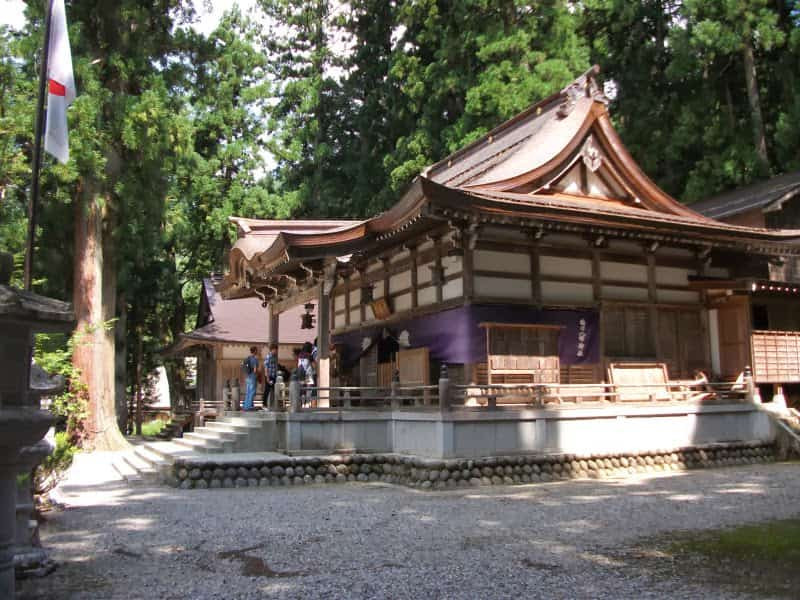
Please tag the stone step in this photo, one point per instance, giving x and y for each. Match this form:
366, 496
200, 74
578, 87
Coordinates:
146, 471
129, 474
216, 436
168, 450
156, 461
203, 446
228, 427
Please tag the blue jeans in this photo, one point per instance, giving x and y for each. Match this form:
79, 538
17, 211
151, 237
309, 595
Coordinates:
250, 393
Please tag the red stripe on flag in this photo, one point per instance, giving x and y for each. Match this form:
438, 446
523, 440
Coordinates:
57, 89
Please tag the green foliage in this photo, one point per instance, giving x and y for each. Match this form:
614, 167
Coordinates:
154, 427
53, 353
55, 465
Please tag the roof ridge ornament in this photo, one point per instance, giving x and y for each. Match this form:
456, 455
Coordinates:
587, 85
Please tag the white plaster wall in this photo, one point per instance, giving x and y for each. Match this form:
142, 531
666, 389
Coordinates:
355, 316
355, 297
568, 267
678, 297
339, 321
426, 296
554, 292
499, 287
617, 292
508, 262
426, 245
402, 302
424, 273
623, 272
452, 264
674, 252
377, 290
672, 276
400, 281
453, 289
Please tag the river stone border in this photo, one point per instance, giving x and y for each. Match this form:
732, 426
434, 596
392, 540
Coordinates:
426, 473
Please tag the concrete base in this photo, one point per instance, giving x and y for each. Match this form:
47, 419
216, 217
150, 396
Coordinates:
468, 433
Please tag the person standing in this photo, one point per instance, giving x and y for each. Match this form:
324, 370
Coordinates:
250, 367
271, 373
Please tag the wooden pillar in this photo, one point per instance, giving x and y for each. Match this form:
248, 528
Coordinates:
347, 300
385, 261
274, 325
414, 295
468, 238
652, 300
440, 283
323, 343
361, 282
536, 280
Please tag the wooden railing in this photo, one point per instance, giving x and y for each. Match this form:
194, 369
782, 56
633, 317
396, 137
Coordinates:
597, 393
297, 397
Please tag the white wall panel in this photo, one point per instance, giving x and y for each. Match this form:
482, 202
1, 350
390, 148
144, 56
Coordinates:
618, 292
453, 289
452, 264
426, 296
402, 303
672, 276
678, 297
398, 282
508, 262
570, 267
499, 287
623, 272
424, 273
339, 321
566, 293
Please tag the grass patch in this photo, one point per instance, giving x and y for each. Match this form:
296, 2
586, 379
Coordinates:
153, 427
762, 559
775, 541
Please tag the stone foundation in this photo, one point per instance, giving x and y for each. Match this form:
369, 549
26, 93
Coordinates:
426, 473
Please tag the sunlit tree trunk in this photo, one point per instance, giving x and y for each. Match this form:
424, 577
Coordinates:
94, 300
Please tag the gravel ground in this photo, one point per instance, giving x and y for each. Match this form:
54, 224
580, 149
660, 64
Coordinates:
572, 539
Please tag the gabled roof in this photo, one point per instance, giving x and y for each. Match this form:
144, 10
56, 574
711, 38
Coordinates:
240, 321
767, 195
558, 165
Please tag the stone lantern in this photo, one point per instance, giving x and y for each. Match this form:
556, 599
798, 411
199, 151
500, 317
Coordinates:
22, 422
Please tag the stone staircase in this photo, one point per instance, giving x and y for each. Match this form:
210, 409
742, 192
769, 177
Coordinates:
151, 462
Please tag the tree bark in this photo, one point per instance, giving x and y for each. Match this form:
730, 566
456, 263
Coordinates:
757, 119
94, 300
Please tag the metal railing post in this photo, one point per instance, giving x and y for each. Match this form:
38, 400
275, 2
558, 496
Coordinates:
444, 389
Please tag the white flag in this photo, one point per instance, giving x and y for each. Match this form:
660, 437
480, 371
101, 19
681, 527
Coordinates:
61, 84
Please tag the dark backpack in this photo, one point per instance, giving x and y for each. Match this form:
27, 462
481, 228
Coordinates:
247, 365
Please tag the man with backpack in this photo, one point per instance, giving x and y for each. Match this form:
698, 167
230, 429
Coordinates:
250, 368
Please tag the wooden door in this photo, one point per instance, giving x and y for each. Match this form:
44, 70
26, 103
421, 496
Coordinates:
734, 331
682, 342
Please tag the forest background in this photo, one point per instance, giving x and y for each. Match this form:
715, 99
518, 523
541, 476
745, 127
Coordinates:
324, 108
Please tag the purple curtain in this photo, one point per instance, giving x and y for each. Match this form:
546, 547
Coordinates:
454, 336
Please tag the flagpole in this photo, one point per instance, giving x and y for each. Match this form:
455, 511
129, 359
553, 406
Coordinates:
37, 152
